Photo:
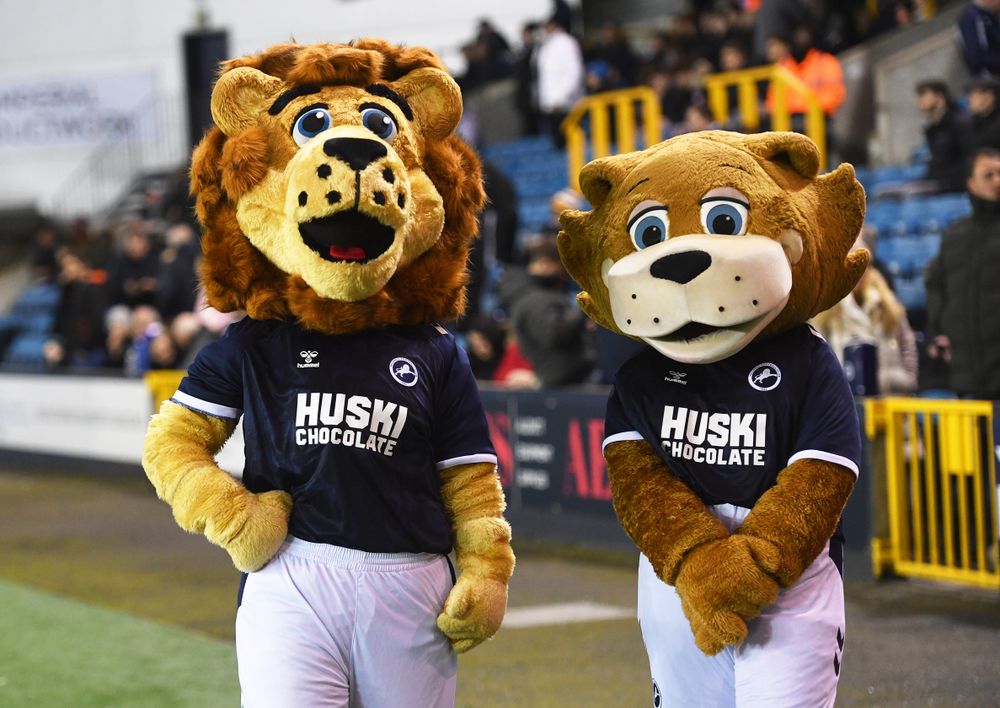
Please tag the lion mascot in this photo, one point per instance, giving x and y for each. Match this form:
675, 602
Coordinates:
732, 440
338, 211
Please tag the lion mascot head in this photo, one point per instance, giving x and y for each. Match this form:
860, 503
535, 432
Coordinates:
332, 189
705, 242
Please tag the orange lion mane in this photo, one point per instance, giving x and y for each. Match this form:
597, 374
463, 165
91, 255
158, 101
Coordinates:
237, 276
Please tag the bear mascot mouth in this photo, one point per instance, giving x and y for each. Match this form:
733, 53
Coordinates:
347, 236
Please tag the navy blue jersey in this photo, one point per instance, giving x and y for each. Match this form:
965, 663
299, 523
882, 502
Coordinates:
727, 429
355, 427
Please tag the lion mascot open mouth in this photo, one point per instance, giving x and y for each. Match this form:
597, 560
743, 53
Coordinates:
338, 209
732, 440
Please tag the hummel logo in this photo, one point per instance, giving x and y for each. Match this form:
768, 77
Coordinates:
676, 377
308, 356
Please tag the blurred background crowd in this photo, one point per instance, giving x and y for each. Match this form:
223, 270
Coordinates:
121, 291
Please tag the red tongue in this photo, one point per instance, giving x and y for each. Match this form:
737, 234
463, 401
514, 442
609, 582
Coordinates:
347, 253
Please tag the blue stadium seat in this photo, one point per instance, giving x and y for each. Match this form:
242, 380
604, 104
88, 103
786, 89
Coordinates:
26, 350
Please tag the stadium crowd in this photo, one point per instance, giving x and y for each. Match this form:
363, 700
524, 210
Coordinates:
129, 297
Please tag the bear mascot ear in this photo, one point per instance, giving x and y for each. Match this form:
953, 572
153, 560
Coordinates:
786, 150
435, 99
599, 177
240, 96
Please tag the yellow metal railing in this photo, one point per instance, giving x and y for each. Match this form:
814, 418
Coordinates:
631, 107
162, 385
748, 101
940, 490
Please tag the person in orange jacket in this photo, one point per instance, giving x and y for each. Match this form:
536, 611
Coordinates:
817, 69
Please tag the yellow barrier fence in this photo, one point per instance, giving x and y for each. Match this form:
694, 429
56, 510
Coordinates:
162, 385
637, 107
939, 490
631, 108
748, 101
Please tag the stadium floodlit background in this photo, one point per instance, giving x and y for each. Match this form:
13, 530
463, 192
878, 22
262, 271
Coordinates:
105, 602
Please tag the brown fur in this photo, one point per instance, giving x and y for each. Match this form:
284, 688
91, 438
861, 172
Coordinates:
235, 273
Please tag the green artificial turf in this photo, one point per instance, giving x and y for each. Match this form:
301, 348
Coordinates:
60, 652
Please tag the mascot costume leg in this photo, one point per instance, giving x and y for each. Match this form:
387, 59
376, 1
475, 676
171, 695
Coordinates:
732, 439
338, 210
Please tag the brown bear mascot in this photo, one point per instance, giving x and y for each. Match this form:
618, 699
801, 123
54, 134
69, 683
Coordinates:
732, 440
338, 210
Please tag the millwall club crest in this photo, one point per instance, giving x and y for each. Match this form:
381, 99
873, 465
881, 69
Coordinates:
765, 377
403, 371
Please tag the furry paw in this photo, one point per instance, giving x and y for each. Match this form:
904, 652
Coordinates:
473, 611
723, 584
263, 531
714, 632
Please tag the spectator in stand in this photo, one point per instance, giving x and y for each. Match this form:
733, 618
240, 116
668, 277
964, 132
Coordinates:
497, 239
44, 262
733, 57
779, 18
872, 313
984, 114
484, 341
527, 80
550, 329
118, 325
145, 326
79, 325
185, 332
163, 352
559, 63
963, 291
514, 370
979, 37
818, 70
946, 130
178, 280
698, 117
611, 64
712, 28
488, 57
132, 279
674, 96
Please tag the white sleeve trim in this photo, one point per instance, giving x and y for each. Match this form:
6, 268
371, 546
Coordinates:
466, 460
202, 406
620, 437
825, 456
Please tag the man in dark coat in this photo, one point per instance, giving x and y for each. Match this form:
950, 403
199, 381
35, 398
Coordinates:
550, 329
963, 290
984, 114
946, 130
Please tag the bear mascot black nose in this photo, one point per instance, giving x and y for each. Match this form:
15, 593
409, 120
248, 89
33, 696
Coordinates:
681, 267
356, 152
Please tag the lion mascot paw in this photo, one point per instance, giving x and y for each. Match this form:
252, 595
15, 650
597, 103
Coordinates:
338, 210
732, 440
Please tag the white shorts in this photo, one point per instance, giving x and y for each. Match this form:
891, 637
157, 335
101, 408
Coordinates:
791, 656
322, 625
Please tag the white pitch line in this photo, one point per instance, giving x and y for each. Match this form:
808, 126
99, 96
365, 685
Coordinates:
563, 613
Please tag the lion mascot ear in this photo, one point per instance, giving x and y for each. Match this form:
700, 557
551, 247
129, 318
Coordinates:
240, 96
435, 99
